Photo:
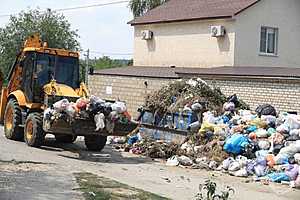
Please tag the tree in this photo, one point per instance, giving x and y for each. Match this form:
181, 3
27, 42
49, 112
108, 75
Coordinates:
140, 7
52, 27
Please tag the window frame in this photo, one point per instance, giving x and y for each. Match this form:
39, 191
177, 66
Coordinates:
268, 30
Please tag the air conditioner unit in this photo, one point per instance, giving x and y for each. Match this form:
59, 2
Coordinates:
147, 35
218, 31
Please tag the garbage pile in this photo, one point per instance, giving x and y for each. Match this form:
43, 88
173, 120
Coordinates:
182, 94
104, 114
263, 144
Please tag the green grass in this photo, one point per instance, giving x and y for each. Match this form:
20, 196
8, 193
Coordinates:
101, 188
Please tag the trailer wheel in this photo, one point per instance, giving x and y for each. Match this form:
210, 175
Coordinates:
65, 138
12, 121
33, 133
95, 142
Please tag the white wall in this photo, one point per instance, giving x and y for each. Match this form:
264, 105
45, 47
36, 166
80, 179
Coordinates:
282, 14
185, 44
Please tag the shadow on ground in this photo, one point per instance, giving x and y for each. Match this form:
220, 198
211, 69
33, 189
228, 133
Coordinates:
78, 151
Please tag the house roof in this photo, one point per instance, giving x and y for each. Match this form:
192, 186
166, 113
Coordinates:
186, 10
179, 72
154, 72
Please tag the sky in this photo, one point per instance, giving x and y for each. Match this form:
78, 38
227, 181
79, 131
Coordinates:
101, 29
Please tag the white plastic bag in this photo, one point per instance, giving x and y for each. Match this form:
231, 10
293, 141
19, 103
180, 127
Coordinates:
264, 144
119, 107
173, 161
99, 120
61, 105
185, 161
226, 163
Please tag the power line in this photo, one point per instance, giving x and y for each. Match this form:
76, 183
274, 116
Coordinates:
79, 7
114, 54
91, 6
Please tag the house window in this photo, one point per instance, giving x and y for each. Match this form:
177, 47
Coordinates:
268, 41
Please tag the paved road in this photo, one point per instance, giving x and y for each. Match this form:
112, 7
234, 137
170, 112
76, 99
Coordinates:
47, 173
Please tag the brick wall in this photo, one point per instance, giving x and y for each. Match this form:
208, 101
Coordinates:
283, 94
132, 90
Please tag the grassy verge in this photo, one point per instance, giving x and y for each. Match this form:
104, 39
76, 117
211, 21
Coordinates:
101, 188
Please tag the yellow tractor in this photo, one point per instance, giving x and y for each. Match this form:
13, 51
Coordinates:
39, 77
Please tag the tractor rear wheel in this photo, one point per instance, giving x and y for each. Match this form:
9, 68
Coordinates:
33, 132
65, 138
12, 121
95, 142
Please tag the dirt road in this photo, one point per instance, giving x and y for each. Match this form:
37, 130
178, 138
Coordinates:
48, 173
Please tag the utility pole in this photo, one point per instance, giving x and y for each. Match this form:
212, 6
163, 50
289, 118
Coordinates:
87, 67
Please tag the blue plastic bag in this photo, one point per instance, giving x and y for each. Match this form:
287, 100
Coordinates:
278, 177
236, 144
133, 139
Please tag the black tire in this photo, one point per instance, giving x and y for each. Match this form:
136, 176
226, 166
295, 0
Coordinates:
33, 132
95, 142
65, 138
12, 121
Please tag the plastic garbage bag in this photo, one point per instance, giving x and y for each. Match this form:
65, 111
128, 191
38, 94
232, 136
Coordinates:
226, 163
297, 158
250, 167
194, 127
99, 121
251, 129
208, 117
291, 150
276, 138
173, 161
283, 128
295, 132
185, 161
292, 171
261, 153
296, 183
71, 110
205, 127
260, 167
229, 106
264, 144
240, 173
293, 122
278, 177
271, 131
270, 160
259, 123
242, 160
261, 133
133, 139
234, 166
197, 107
281, 159
266, 109
236, 144
82, 103
269, 119
61, 105
119, 107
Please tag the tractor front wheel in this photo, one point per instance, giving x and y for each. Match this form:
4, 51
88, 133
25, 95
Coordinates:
95, 142
12, 121
33, 132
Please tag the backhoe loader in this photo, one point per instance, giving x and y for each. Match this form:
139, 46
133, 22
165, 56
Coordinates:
39, 77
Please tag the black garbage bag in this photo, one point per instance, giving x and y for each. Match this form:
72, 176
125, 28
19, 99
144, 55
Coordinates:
233, 99
266, 109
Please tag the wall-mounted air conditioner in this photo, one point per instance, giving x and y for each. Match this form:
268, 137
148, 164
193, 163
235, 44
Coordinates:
218, 31
147, 35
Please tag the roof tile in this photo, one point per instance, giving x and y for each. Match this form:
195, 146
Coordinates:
184, 10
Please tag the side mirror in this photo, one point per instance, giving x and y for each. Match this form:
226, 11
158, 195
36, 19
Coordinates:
91, 71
